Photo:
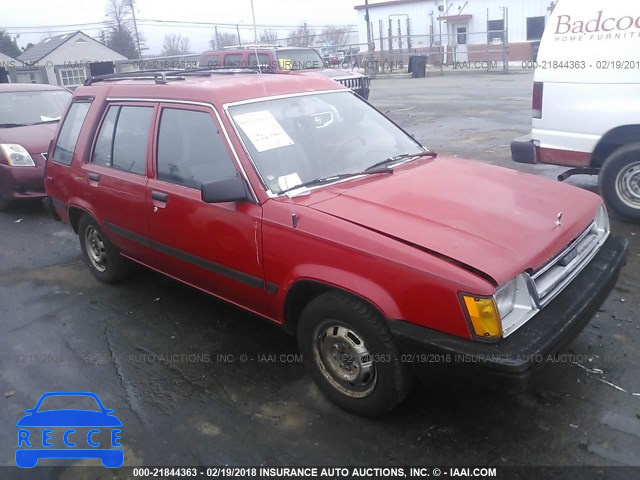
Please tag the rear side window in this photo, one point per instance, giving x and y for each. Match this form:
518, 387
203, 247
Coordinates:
233, 60
66, 144
104, 144
262, 60
210, 61
122, 140
190, 149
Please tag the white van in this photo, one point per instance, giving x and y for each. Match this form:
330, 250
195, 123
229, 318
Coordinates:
586, 98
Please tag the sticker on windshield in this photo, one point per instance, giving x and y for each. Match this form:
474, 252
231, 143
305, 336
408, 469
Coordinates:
286, 182
263, 130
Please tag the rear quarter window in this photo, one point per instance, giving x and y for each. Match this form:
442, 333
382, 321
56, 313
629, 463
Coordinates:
68, 137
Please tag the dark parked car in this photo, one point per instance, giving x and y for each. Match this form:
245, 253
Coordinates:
291, 197
29, 114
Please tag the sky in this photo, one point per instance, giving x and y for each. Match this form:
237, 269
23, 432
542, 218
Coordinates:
46, 14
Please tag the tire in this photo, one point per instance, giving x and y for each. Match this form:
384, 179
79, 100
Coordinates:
362, 373
104, 260
619, 182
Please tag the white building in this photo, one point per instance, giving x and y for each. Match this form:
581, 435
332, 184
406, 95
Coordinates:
467, 30
66, 60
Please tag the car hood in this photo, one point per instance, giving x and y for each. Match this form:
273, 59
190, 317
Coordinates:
490, 219
35, 138
69, 418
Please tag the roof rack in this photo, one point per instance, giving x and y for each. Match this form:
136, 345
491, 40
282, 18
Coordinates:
248, 46
161, 76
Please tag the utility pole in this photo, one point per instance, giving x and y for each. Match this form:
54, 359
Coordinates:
135, 28
367, 68
238, 30
255, 31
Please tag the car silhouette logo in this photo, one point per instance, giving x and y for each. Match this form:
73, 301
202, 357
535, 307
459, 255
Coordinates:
29, 452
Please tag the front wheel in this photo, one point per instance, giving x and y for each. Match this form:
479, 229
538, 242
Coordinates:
619, 181
104, 260
351, 355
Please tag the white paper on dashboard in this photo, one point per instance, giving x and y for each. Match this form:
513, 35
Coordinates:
285, 182
263, 130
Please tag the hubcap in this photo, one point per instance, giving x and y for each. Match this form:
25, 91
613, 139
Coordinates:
344, 359
628, 185
95, 249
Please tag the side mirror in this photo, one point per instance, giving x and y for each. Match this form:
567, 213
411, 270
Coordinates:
230, 189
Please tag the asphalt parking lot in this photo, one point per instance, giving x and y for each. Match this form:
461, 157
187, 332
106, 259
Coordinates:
199, 382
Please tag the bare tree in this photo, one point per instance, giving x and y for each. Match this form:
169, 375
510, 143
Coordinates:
120, 36
335, 35
175, 44
224, 40
301, 37
268, 36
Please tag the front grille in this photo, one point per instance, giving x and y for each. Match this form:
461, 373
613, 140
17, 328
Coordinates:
551, 279
355, 83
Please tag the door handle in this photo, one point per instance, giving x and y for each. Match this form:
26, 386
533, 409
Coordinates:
160, 196
94, 177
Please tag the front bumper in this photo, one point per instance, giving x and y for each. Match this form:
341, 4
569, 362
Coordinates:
523, 150
21, 182
511, 361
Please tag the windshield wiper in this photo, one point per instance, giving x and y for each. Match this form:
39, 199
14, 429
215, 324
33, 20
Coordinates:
9, 125
335, 178
46, 121
397, 158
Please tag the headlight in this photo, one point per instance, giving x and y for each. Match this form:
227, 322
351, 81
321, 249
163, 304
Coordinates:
602, 220
16, 155
502, 314
506, 298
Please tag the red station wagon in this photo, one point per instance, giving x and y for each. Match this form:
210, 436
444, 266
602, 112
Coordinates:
367, 246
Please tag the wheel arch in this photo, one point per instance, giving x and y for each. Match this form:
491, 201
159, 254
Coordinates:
75, 213
304, 290
613, 140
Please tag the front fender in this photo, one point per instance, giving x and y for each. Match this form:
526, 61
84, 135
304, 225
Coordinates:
350, 282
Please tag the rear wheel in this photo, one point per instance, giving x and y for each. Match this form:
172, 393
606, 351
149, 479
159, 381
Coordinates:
350, 353
619, 181
104, 260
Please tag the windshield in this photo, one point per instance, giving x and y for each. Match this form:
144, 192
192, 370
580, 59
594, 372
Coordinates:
295, 140
32, 107
299, 59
